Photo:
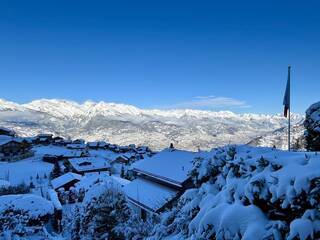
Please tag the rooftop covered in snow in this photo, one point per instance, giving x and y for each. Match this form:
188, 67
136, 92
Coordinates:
89, 164
64, 179
149, 195
169, 165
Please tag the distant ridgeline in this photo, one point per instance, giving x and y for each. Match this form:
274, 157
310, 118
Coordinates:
124, 124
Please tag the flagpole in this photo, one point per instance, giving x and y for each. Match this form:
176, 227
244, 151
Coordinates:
289, 117
289, 131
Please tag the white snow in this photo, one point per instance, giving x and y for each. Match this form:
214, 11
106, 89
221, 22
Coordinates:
122, 181
5, 139
22, 170
149, 194
301, 228
224, 204
34, 206
89, 163
65, 178
4, 183
172, 165
53, 196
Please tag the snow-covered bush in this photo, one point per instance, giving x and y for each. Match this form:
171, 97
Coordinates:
244, 192
312, 125
22, 214
104, 213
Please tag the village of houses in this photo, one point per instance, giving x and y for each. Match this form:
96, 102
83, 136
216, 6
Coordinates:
60, 170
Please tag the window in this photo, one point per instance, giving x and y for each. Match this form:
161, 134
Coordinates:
143, 214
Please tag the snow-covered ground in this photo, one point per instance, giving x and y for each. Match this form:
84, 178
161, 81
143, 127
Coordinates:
240, 192
25, 170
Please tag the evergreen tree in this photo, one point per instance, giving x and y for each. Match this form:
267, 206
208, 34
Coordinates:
56, 171
31, 185
100, 217
122, 174
312, 126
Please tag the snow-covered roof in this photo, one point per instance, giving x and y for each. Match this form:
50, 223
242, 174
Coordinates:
93, 144
45, 135
102, 144
35, 206
148, 195
4, 139
64, 179
120, 180
170, 165
89, 163
72, 154
76, 146
27, 139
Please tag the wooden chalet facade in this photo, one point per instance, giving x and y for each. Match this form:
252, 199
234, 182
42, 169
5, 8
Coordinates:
13, 149
52, 158
44, 139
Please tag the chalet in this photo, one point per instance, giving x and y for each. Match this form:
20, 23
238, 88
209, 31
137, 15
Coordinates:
67, 141
7, 132
65, 181
13, 149
74, 154
125, 158
114, 148
78, 141
58, 141
132, 146
89, 164
52, 158
160, 180
77, 146
103, 144
124, 149
143, 149
93, 145
30, 140
44, 139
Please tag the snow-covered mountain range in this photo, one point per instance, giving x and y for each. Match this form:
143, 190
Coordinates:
125, 124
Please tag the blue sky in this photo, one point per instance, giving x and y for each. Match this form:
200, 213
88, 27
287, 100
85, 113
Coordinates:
217, 55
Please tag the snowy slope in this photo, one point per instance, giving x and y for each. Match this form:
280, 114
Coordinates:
279, 137
125, 124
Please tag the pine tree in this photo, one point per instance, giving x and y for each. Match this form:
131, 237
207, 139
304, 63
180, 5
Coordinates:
122, 172
31, 185
312, 126
56, 171
100, 218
